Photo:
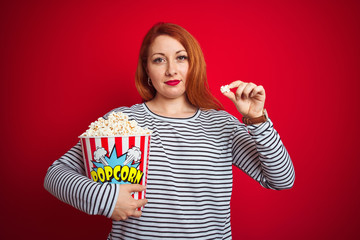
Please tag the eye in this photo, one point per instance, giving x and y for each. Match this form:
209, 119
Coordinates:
182, 57
159, 60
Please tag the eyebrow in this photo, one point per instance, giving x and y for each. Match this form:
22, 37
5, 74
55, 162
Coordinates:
164, 54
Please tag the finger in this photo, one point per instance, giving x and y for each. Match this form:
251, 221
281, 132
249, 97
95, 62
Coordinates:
240, 90
235, 84
248, 89
230, 95
118, 216
133, 187
141, 202
234, 96
258, 90
137, 214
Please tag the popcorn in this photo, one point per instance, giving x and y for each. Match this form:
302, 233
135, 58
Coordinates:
225, 89
116, 124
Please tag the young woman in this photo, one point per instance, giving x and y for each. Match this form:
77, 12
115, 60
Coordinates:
193, 147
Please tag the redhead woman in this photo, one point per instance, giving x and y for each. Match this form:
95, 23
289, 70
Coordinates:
194, 145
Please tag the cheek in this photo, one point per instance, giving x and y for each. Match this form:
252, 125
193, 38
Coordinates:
154, 71
184, 70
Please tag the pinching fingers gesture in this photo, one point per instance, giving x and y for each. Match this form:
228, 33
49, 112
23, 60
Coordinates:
248, 98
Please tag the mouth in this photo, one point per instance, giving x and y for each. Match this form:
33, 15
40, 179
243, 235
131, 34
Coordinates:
173, 82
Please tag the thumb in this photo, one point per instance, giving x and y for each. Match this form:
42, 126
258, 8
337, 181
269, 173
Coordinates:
230, 95
134, 187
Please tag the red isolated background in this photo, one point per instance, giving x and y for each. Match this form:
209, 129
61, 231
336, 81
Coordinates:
66, 63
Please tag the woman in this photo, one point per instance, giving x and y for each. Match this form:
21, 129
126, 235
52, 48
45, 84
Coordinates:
193, 147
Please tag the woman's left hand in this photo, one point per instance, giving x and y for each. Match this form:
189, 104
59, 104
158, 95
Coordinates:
248, 98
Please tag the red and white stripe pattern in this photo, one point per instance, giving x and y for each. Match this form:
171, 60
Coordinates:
122, 144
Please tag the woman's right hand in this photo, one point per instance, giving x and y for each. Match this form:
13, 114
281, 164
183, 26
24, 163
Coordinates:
126, 206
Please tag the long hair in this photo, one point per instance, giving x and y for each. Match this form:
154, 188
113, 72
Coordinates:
197, 88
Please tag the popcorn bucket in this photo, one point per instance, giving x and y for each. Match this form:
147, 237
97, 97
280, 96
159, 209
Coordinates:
117, 159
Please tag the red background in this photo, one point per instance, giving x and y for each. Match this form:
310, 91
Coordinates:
65, 63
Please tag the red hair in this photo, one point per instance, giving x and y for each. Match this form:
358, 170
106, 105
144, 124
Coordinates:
197, 88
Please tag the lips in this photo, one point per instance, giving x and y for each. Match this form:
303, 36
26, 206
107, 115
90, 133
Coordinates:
172, 82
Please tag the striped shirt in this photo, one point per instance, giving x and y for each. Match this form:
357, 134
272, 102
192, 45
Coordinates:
189, 177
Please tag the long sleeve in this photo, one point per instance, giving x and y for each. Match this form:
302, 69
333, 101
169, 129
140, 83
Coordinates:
66, 180
259, 152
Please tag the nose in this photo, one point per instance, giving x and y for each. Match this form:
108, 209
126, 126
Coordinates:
171, 69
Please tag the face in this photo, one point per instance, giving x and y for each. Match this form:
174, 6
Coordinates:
167, 67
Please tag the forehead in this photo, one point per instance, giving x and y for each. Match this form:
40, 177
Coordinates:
165, 44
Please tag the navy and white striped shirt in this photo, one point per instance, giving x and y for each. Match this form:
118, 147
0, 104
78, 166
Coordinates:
190, 174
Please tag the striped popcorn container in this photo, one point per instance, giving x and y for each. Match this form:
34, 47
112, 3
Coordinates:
117, 159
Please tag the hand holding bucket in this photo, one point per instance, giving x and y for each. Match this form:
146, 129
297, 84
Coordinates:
126, 206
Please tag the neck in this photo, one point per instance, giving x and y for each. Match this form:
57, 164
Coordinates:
177, 108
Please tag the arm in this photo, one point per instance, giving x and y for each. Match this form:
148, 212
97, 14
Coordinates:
258, 150
66, 180
260, 153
